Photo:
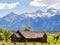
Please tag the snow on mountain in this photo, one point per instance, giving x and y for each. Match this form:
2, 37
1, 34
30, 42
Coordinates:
50, 12
38, 20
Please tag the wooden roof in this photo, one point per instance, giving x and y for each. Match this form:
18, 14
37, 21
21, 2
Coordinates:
31, 34
17, 35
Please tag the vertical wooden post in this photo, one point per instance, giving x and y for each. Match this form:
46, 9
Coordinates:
34, 43
41, 43
3, 44
25, 42
14, 43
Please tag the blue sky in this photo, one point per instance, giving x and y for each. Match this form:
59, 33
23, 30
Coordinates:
23, 6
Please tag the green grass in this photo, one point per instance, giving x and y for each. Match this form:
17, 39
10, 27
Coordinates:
28, 43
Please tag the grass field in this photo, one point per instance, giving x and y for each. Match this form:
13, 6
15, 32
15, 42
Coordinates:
28, 43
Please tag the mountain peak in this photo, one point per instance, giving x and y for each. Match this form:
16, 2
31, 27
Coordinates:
39, 11
12, 13
53, 11
39, 22
10, 16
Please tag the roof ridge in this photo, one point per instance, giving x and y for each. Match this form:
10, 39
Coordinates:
31, 31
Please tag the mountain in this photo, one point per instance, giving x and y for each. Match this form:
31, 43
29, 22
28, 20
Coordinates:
38, 20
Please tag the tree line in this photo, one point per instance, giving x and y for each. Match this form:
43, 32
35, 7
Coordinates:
5, 34
52, 38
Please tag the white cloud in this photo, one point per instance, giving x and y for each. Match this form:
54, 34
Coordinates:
37, 4
56, 5
8, 5
48, 3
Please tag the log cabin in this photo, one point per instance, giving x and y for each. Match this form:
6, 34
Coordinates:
28, 36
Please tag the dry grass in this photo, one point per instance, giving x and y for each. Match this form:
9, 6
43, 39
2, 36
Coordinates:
28, 43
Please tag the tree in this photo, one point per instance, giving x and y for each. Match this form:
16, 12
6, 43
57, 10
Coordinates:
1, 36
27, 28
1, 30
58, 41
7, 34
51, 39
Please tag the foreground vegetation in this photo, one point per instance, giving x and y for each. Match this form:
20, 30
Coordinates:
28, 43
5, 38
5, 34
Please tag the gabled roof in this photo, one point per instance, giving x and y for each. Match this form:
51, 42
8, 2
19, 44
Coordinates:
31, 34
17, 35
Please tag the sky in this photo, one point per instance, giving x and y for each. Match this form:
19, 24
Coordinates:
24, 6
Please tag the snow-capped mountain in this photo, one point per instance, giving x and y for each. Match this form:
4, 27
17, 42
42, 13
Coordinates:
38, 20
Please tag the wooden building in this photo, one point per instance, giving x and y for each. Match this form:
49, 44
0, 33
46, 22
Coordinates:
29, 36
57, 37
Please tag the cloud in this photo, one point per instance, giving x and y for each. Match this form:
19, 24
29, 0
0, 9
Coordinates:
48, 3
35, 3
56, 5
8, 5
